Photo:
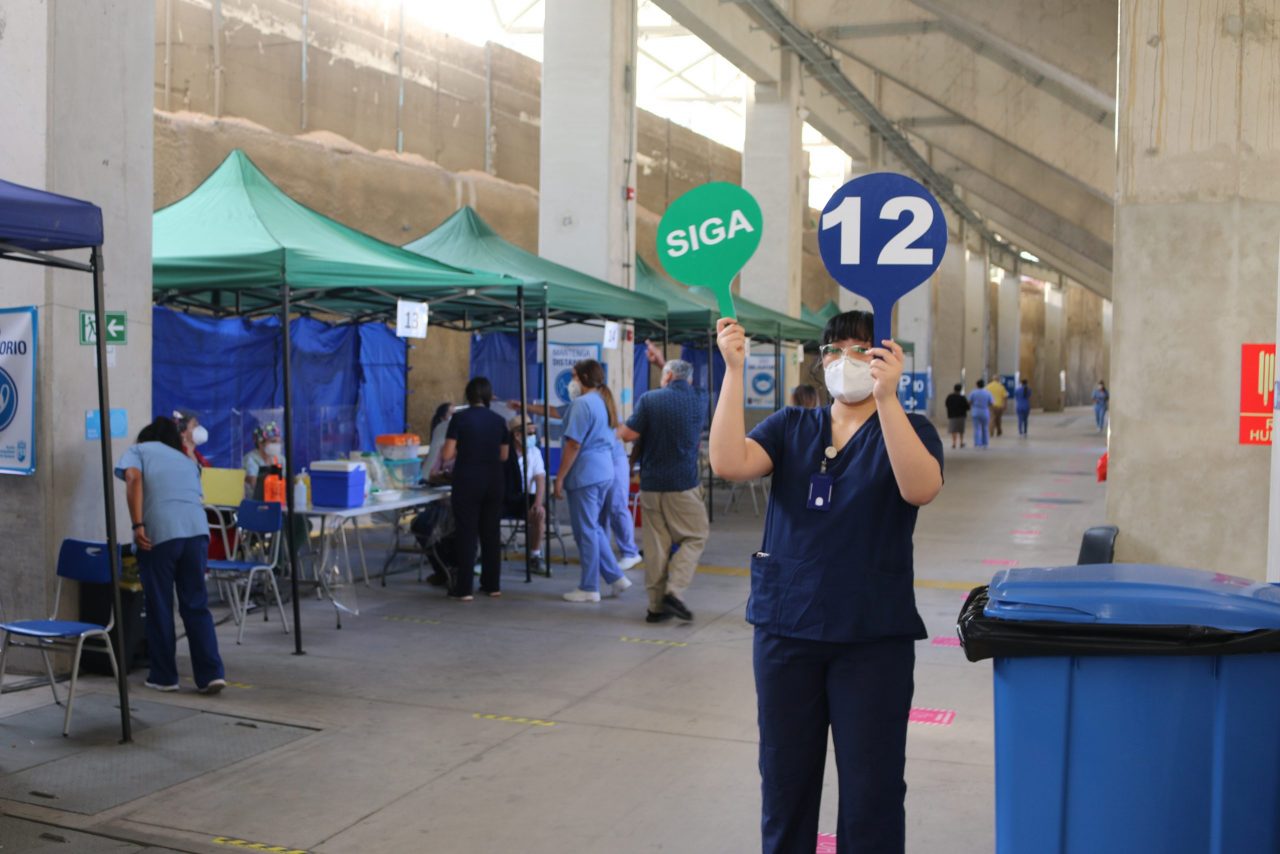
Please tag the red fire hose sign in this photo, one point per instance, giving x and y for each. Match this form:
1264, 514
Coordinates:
1257, 393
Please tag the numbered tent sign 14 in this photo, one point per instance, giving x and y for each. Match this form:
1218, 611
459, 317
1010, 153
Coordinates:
881, 236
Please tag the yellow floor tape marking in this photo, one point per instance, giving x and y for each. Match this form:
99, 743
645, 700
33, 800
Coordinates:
725, 570
653, 641
510, 719
421, 620
245, 685
256, 846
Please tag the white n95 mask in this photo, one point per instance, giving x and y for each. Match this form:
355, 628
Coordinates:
575, 389
849, 381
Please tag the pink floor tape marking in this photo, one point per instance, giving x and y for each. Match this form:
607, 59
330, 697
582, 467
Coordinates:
932, 717
826, 843
947, 641
1028, 533
992, 561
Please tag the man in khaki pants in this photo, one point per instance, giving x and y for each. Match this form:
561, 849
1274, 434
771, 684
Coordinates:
667, 423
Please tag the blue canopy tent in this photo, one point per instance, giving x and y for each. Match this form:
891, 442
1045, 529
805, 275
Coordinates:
33, 224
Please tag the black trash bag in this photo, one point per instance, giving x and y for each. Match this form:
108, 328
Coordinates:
988, 637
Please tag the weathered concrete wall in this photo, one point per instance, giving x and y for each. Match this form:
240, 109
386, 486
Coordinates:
1031, 360
1085, 343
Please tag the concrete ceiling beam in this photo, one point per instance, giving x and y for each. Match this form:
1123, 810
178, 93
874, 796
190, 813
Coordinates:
729, 32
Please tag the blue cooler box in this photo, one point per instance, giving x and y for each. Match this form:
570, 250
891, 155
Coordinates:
1137, 709
330, 488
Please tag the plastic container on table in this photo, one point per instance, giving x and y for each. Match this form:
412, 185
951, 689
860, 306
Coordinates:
337, 483
397, 446
402, 474
1135, 709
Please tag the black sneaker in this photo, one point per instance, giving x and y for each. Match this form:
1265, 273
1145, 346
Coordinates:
658, 616
675, 606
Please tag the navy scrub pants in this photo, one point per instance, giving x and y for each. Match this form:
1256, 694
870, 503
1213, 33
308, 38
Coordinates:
478, 493
178, 564
862, 691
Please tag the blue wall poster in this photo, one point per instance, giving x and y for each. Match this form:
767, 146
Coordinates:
18, 390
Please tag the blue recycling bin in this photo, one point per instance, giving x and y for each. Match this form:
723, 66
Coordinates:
1137, 709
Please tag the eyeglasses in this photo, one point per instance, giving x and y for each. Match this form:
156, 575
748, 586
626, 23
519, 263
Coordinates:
831, 351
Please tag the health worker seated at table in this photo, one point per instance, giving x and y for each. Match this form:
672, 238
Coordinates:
527, 500
268, 451
434, 468
477, 443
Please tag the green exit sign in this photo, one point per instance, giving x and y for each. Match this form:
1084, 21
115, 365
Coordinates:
117, 323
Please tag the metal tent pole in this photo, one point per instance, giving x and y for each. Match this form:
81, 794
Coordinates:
109, 491
524, 415
546, 430
294, 569
778, 372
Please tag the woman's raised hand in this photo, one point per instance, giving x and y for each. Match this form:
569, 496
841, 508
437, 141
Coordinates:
732, 341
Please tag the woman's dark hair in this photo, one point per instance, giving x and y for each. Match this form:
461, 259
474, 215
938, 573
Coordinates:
479, 392
442, 412
162, 430
958, 386
591, 375
982, 383
851, 325
805, 395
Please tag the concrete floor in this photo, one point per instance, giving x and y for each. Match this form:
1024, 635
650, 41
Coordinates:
530, 724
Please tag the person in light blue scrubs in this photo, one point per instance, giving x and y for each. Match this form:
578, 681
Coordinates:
171, 536
587, 474
832, 597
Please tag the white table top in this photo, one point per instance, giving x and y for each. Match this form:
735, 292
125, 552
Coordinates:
411, 498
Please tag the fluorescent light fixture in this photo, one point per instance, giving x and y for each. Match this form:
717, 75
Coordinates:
1027, 256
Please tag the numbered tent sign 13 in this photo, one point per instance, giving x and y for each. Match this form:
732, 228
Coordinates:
881, 236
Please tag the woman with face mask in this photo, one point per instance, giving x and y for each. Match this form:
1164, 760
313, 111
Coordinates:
268, 451
193, 435
832, 600
588, 474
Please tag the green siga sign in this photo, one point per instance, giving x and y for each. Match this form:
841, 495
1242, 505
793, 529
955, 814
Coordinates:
708, 235
117, 323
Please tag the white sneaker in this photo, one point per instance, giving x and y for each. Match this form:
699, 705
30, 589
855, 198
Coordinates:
617, 587
214, 687
166, 688
582, 596
629, 563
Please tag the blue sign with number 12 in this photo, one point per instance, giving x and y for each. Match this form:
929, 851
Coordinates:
881, 236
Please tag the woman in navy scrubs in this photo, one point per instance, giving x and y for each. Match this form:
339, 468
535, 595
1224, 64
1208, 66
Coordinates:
832, 600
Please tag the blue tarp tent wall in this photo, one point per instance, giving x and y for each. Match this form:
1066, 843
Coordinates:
33, 223
351, 389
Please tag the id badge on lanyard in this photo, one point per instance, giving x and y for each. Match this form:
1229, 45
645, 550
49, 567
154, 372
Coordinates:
821, 484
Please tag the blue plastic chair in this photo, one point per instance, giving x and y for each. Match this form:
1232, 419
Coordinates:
257, 552
81, 561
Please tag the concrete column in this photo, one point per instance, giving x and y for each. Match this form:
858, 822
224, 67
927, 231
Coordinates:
975, 316
588, 133
915, 324
946, 348
81, 75
1009, 325
773, 170
1197, 219
1050, 361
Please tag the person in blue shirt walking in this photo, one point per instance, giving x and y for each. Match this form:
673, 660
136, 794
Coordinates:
832, 598
171, 536
588, 475
1022, 402
1101, 400
981, 402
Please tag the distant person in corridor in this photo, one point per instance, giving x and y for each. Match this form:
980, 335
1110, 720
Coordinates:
1022, 403
999, 399
1101, 402
957, 410
980, 402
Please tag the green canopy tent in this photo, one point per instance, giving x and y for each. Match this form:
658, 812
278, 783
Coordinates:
821, 316
239, 245
466, 240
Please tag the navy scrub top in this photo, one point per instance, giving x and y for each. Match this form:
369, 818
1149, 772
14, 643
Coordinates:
845, 574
